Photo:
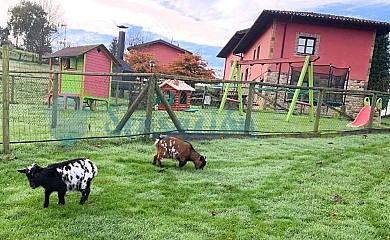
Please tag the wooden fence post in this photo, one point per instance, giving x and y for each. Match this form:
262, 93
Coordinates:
5, 77
249, 107
54, 111
149, 105
318, 112
372, 112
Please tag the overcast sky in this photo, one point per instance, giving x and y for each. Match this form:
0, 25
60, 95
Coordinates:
204, 23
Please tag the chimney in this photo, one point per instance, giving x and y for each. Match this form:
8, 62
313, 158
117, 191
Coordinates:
121, 41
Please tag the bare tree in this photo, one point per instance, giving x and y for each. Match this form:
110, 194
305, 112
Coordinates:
136, 36
54, 11
54, 16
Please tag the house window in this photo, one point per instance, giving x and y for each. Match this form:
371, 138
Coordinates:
306, 45
246, 74
70, 63
254, 54
183, 98
258, 52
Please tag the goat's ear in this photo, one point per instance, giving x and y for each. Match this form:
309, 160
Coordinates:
22, 170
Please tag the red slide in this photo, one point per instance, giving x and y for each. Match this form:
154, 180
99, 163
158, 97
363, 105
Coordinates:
363, 117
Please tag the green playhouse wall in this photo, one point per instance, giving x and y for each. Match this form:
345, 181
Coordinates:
71, 84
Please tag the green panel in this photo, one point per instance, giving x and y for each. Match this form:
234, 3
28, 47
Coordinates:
73, 63
71, 84
171, 97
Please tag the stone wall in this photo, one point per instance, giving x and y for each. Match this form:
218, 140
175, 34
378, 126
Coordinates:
353, 103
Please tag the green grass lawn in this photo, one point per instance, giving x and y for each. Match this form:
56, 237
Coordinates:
324, 188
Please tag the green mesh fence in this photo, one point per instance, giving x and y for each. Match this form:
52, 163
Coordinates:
80, 114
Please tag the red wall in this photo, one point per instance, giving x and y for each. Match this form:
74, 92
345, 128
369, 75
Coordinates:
163, 54
97, 86
341, 47
265, 46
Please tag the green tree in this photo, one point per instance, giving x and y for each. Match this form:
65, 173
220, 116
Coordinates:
4, 33
29, 24
380, 65
114, 46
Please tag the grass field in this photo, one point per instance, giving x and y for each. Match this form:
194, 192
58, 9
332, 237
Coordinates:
325, 188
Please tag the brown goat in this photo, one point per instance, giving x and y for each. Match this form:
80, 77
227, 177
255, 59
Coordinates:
175, 148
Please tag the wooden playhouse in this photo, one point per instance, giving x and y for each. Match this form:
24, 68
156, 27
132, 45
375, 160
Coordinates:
178, 94
83, 88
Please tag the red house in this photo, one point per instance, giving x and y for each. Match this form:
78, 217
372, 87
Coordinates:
164, 52
178, 94
339, 41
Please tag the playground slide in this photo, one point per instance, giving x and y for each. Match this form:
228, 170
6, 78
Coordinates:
362, 118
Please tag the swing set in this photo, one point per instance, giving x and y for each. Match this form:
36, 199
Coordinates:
307, 66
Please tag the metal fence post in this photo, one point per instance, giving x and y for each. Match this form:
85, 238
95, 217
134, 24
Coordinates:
5, 77
54, 111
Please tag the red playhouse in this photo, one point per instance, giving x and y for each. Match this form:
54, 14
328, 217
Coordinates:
178, 94
83, 88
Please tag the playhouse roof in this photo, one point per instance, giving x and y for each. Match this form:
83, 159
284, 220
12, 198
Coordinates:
80, 50
143, 45
267, 16
177, 85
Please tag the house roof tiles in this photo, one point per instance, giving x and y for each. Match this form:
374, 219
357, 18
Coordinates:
144, 45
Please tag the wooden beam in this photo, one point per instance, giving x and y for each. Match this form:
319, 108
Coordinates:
131, 109
5, 117
277, 60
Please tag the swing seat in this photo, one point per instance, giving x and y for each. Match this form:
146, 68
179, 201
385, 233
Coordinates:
303, 103
191, 110
232, 100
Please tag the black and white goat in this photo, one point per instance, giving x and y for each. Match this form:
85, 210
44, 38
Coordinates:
175, 148
71, 175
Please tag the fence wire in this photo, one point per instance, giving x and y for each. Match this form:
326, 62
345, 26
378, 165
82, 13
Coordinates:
81, 113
